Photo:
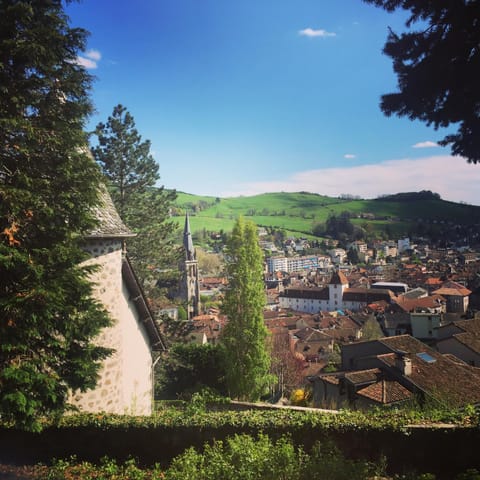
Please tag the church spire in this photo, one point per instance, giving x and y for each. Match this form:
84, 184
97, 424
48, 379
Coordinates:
190, 285
187, 240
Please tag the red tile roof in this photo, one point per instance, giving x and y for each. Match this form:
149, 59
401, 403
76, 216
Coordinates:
453, 288
385, 392
363, 376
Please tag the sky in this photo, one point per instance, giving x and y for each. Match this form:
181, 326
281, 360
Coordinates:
252, 96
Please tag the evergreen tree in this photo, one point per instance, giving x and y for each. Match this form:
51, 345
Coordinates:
125, 160
247, 360
132, 173
48, 187
438, 69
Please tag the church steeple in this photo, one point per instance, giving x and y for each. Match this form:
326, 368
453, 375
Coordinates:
187, 240
190, 285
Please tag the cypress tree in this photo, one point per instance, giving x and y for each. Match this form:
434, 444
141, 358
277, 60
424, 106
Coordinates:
247, 360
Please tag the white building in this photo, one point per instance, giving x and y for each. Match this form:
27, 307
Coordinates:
296, 264
338, 255
335, 296
403, 244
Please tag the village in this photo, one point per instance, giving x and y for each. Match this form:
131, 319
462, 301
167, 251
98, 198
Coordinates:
377, 333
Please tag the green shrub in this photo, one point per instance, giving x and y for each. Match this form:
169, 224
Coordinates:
243, 457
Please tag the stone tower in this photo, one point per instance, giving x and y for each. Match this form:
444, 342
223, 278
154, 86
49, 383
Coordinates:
125, 383
190, 286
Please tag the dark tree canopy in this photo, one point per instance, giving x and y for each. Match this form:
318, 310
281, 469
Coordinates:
132, 172
125, 159
438, 69
48, 186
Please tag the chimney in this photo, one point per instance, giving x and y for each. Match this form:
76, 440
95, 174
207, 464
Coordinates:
403, 362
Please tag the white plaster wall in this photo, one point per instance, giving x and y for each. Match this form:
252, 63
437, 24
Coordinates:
125, 383
136, 361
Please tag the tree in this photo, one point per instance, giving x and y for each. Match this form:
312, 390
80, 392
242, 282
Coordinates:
209, 263
285, 367
125, 160
48, 188
132, 172
247, 360
372, 330
352, 256
189, 368
438, 70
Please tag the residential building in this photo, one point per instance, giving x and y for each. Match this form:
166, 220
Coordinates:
425, 324
296, 263
338, 255
393, 370
456, 296
462, 339
403, 244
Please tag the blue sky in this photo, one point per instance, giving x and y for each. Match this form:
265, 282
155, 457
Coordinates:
256, 96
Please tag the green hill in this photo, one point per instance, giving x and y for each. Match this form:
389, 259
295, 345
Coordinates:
297, 213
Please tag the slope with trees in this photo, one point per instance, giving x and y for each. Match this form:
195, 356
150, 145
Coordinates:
244, 338
438, 69
132, 173
48, 187
305, 215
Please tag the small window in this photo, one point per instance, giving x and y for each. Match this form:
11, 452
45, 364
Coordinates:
426, 357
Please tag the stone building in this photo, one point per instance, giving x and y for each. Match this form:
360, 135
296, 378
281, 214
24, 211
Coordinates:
125, 382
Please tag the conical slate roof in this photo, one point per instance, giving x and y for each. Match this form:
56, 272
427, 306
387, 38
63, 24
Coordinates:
110, 225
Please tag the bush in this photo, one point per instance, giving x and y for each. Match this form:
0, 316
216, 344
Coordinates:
246, 458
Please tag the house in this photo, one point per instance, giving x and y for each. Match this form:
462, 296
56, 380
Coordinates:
395, 323
125, 382
425, 324
312, 344
392, 370
206, 328
462, 339
432, 304
456, 296
360, 389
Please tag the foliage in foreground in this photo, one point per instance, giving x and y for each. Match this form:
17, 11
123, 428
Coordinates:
279, 420
241, 457
48, 188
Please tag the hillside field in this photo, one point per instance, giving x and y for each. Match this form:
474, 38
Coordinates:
297, 213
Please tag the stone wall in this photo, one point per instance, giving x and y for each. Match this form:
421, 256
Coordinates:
125, 383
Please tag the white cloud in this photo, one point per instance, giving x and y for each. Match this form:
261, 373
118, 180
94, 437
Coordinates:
427, 144
349, 156
310, 32
452, 177
90, 59
93, 55
86, 62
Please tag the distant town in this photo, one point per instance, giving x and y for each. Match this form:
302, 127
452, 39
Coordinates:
376, 323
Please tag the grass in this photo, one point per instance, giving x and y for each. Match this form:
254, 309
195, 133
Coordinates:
298, 212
